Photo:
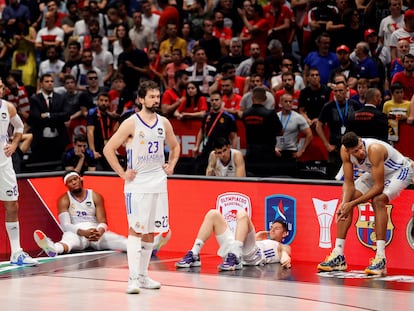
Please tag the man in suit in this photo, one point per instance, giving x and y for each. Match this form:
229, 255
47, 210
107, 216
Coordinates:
369, 121
47, 117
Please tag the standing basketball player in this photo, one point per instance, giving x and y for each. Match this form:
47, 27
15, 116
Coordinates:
386, 173
145, 180
9, 192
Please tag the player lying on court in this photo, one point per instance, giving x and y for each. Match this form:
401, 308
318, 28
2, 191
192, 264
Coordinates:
386, 173
83, 220
246, 247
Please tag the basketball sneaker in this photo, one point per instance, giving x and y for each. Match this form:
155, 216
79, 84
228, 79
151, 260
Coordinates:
45, 243
22, 258
377, 266
231, 263
133, 286
333, 262
189, 260
146, 282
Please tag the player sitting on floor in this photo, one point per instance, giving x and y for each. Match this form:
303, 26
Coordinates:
83, 219
246, 247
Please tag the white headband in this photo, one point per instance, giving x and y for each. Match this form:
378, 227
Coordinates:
69, 175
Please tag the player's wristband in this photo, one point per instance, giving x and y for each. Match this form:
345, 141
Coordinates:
103, 226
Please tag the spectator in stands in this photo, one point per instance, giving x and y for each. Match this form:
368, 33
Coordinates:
391, 23
71, 96
49, 35
405, 32
187, 35
117, 48
280, 17
81, 26
246, 102
168, 14
103, 60
133, 64
149, 18
288, 87
80, 71
68, 22
89, 97
14, 11
200, 72
100, 127
362, 87
244, 67
73, 57
262, 126
79, 158
256, 26
286, 65
288, 148
231, 17
196, 16
322, 59
210, 43
52, 65
171, 43
335, 115
93, 30
24, 54
235, 55
221, 32
231, 101
173, 96
313, 97
216, 123
176, 64
337, 79
346, 66
47, 117
52, 6
406, 77
403, 48
17, 95
225, 161
193, 105
397, 109
142, 37
121, 99
369, 121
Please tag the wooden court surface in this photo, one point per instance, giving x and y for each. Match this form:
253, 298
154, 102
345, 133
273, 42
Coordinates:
97, 281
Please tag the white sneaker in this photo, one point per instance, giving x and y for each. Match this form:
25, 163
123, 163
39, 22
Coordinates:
133, 286
45, 243
147, 282
22, 258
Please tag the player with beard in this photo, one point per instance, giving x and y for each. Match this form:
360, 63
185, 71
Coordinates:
386, 173
83, 219
145, 180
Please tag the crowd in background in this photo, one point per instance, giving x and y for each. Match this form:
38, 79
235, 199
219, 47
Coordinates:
72, 69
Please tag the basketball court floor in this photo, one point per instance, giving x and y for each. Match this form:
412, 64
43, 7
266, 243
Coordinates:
96, 281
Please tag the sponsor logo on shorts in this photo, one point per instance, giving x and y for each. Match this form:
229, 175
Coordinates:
325, 210
366, 226
229, 203
281, 207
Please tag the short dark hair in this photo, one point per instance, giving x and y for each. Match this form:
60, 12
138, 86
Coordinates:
179, 74
145, 86
396, 86
350, 140
220, 142
80, 138
283, 223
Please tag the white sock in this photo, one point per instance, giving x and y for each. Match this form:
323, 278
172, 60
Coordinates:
339, 246
381, 248
13, 231
237, 248
133, 255
146, 251
198, 244
59, 248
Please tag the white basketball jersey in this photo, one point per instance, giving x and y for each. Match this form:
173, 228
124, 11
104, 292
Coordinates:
4, 136
83, 213
145, 155
228, 170
395, 161
268, 250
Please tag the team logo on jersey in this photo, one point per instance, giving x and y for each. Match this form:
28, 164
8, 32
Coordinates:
4, 116
157, 223
410, 232
366, 226
141, 135
281, 207
229, 203
160, 131
325, 210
